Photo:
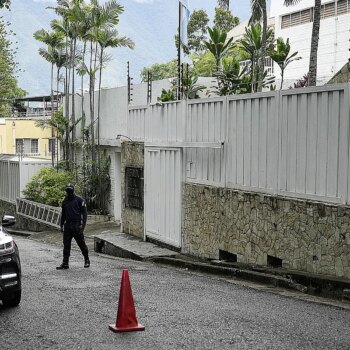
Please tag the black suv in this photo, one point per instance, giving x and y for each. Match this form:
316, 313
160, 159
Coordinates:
10, 266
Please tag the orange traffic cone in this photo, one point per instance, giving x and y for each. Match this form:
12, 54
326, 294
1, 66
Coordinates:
126, 316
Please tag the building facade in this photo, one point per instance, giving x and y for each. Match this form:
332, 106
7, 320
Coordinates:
295, 22
20, 136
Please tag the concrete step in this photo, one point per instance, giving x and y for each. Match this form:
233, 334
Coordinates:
126, 246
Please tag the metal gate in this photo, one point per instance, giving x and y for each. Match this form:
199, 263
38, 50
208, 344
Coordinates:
163, 177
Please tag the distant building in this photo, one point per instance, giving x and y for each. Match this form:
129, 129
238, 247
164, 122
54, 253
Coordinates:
20, 136
237, 33
295, 22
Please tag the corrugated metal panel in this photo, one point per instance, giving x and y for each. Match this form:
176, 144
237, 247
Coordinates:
9, 180
292, 142
205, 122
14, 176
165, 123
163, 195
252, 142
314, 143
136, 123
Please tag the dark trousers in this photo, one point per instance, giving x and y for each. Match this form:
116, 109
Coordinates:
73, 231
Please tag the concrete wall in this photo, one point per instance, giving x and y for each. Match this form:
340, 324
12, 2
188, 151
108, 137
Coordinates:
114, 207
132, 219
307, 236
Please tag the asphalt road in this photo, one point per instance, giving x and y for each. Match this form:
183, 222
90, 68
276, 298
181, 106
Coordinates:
72, 309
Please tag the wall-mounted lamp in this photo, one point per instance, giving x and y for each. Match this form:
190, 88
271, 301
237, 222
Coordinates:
119, 136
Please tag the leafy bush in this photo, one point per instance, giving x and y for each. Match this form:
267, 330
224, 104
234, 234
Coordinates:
167, 96
48, 186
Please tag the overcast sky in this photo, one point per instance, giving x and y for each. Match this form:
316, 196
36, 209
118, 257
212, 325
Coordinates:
151, 24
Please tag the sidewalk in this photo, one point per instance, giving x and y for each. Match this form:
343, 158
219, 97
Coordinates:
106, 238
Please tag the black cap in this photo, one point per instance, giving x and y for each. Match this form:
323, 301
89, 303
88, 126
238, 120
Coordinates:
70, 187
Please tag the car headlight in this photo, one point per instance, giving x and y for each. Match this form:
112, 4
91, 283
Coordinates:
7, 246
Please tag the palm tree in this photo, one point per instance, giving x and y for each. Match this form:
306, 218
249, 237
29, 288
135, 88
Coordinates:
259, 13
218, 45
314, 39
105, 37
281, 56
70, 27
54, 42
251, 43
225, 4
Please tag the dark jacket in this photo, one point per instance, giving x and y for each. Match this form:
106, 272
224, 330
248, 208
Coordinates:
74, 211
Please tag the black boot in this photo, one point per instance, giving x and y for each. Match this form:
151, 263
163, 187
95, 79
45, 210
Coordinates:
63, 266
87, 263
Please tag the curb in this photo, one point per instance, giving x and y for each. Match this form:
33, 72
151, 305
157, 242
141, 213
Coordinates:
310, 285
20, 233
276, 281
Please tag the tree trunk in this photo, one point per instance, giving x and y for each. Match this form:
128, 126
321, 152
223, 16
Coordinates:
98, 133
56, 143
52, 132
73, 102
314, 44
282, 77
66, 94
82, 97
263, 47
91, 92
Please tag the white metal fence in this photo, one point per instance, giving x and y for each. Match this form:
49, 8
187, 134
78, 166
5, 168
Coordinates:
14, 176
291, 142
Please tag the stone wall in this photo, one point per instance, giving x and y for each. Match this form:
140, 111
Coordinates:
132, 219
307, 236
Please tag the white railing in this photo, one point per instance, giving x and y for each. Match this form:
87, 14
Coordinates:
291, 143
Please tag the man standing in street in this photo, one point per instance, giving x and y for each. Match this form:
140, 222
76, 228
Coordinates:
73, 221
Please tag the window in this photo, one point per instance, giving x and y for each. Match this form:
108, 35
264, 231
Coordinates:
328, 10
27, 146
343, 6
331, 9
134, 188
306, 16
52, 145
19, 146
34, 146
285, 22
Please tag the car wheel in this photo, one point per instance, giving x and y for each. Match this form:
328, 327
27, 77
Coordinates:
14, 300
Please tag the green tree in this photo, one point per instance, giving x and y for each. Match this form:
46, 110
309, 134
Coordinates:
160, 71
218, 45
54, 42
251, 43
281, 55
204, 64
225, 4
8, 68
259, 14
232, 79
5, 3
196, 30
106, 37
48, 186
312, 75
224, 19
